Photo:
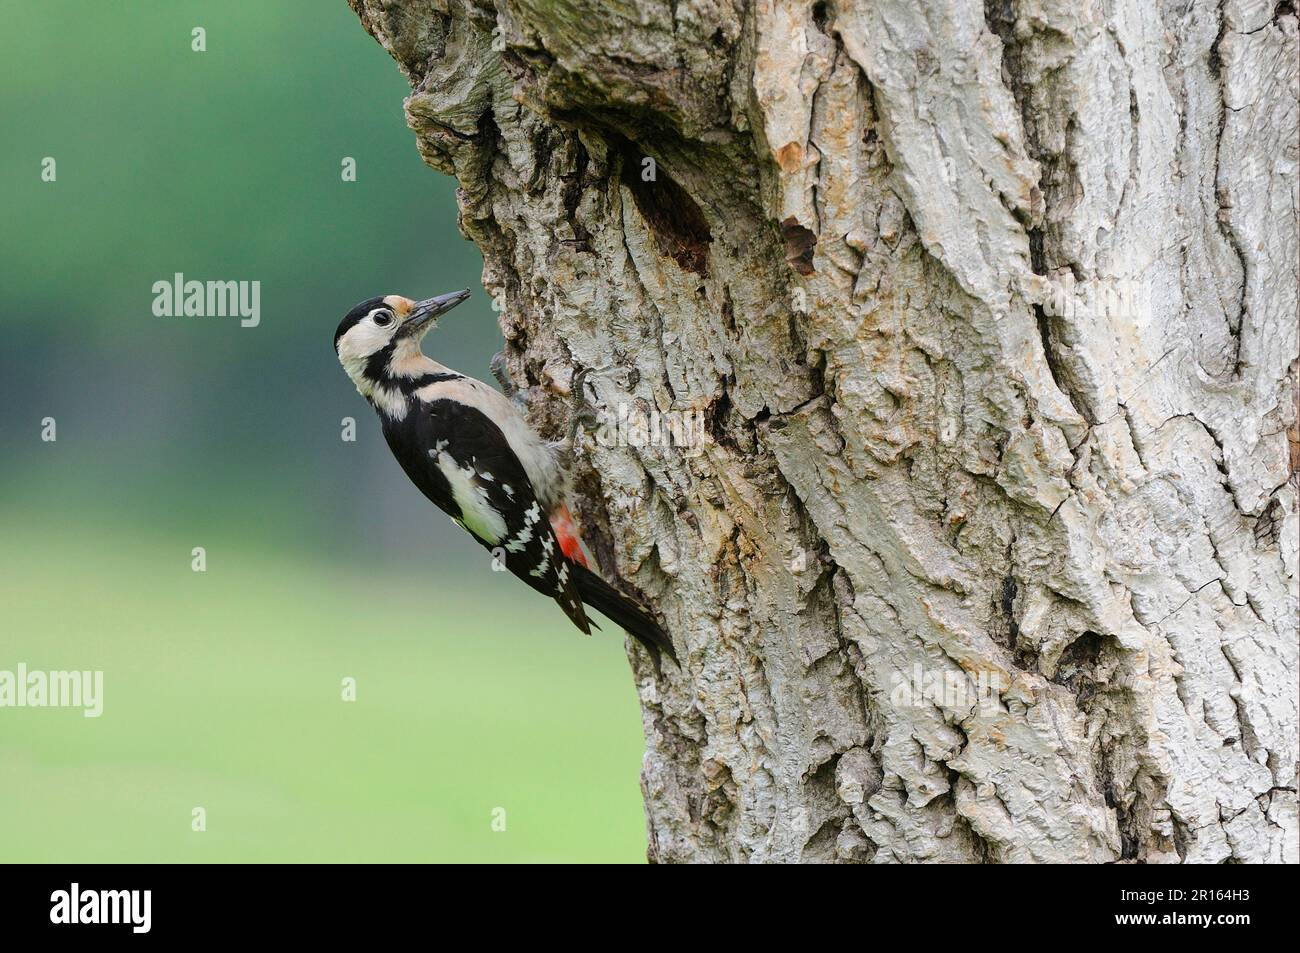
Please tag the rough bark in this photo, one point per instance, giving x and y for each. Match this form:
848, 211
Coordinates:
990, 308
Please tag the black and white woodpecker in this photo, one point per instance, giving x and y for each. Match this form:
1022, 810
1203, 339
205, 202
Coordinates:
467, 448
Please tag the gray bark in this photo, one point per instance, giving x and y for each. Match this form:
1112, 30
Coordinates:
990, 552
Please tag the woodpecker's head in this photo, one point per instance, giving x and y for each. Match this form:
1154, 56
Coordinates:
379, 334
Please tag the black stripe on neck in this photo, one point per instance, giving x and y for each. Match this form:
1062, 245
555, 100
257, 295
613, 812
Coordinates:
409, 385
377, 363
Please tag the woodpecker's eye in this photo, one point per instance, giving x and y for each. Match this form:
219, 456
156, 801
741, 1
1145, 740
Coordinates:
383, 318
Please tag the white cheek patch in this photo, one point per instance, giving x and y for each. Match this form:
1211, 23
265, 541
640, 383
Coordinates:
362, 340
476, 513
355, 349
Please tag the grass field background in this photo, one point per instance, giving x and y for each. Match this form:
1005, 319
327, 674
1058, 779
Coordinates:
223, 690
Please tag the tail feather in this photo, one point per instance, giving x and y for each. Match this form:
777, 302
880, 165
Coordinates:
635, 618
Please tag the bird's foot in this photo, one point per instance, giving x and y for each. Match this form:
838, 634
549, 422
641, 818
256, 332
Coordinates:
501, 371
582, 416
582, 412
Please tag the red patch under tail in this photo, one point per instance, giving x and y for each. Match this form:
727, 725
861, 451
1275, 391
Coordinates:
566, 533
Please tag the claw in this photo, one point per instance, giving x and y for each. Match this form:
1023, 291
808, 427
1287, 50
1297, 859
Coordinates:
501, 371
581, 411
579, 382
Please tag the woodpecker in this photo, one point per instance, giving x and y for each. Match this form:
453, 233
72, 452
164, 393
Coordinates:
467, 448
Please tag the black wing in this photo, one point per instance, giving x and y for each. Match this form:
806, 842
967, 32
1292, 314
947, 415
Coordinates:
462, 461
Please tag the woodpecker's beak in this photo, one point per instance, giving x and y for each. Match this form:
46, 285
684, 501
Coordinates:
424, 313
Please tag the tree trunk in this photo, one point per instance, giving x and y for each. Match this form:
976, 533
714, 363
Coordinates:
989, 549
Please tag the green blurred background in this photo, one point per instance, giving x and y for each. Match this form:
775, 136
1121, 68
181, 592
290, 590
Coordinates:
223, 689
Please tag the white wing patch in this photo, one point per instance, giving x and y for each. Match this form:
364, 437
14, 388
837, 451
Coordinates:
531, 516
548, 546
476, 514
